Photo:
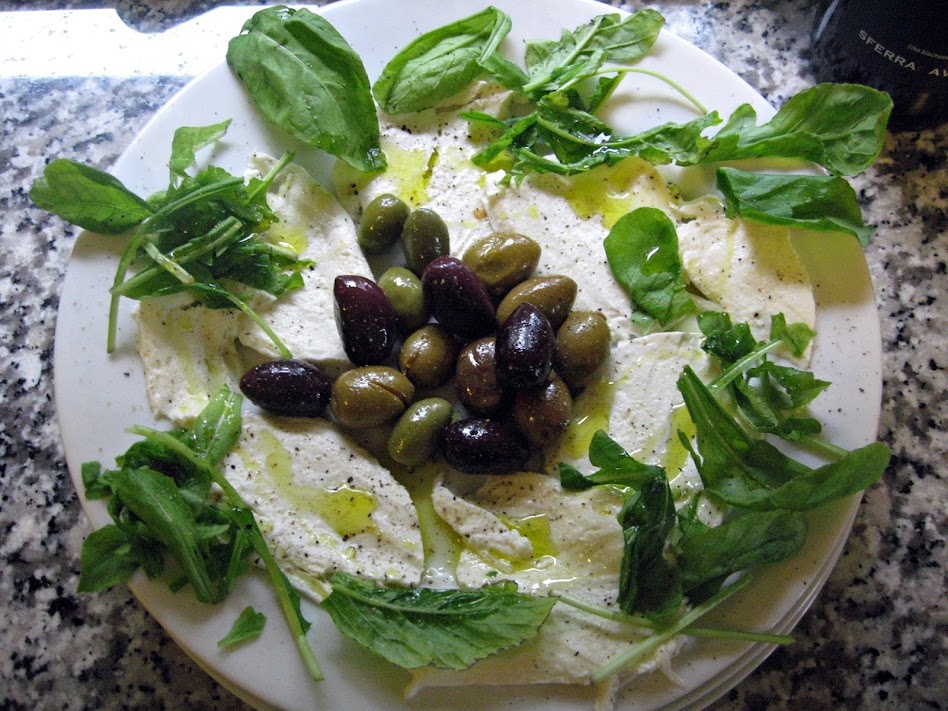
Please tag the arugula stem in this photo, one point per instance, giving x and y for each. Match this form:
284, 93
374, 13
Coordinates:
256, 318
168, 264
691, 630
277, 579
740, 365
125, 263
194, 196
650, 644
271, 175
223, 232
648, 72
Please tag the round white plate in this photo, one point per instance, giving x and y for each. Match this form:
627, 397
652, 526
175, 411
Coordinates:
98, 395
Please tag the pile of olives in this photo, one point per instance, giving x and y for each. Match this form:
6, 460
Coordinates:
507, 342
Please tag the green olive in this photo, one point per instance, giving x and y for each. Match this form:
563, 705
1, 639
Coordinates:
542, 413
502, 260
417, 433
427, 356
582, 344
370, 396
553, 295
424, 238
404, 293
476, 379
382, 223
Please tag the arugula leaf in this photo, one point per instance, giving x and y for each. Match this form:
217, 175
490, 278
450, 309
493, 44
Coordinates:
442, 62
825, 204
752, 473
88, 198
305, 78
110, 556
188, 140
728, 342
450, 629
642, 251
648, 583
580, 53
708, 555
248, 626
615, 467
795, 336
838, 126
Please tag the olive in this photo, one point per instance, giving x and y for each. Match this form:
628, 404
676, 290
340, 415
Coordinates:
417, 434
287, 387
382, 223
582, 344
370, 396
457, 298
404, 293
481, 446
502, 260
524, 348
553, 295
365, 318
424, 237
476, 379
427, 356
542, 413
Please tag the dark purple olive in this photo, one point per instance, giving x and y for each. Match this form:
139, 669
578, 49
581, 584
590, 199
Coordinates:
543, 413
524, 348
287, 387
479, 446
365, 318
457, 298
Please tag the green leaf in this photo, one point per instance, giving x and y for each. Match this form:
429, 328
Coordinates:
305, 78
795, 336
615, 467
728, 342
88, 198
580, 53
188, 140
109, 557
709, 555
450, 629
216, 429
825, 204
839, 126
248, 626
753, 474
442, 62
155, 500
642, 251
648, 583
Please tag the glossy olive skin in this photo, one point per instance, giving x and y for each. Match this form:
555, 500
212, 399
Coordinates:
480, 446
293, 388
365, 318
427, 356
424, 238
476, 379
457, 298
553, 295
417, 434
502, 260
524, 348
382, 223
582, 344
369, 397
404, 293
542, 413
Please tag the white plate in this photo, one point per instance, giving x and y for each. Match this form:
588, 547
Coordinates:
99, 396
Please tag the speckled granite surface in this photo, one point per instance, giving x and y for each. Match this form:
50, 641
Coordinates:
875, 638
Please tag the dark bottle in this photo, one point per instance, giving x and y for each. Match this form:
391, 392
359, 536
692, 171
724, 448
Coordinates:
897, 46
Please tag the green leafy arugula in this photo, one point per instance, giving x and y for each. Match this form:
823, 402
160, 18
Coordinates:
450, 629
164, 511
201, 235
247, 627
305, 78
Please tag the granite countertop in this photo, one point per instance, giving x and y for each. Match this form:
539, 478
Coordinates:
874, 639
